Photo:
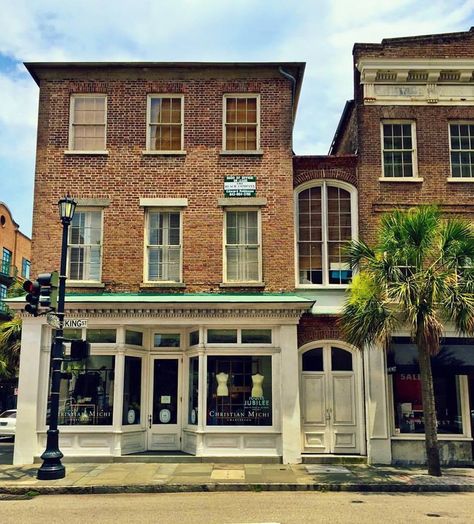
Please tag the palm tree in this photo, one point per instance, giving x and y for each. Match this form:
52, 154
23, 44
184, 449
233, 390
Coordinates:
10, 342
419, 276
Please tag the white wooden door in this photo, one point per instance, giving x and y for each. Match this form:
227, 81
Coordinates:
330, 400
164, 419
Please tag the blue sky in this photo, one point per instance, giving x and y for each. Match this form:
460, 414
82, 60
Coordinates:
320, 32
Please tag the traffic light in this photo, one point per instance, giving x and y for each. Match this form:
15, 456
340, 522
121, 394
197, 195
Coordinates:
49, 283
80, 349
33, 289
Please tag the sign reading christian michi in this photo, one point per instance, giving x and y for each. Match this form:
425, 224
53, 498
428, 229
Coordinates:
75, 323
240, 186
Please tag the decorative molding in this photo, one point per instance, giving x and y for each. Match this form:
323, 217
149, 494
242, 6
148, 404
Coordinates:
163, 202
93, 202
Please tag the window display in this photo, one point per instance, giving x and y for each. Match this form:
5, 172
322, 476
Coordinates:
132, 390
239, 391
193, 390
87, 392
408, 405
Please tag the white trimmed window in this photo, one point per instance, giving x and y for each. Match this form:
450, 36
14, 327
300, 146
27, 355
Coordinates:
398, 149
87, 130
85, 246
241, 122
163, 246
165, 116
326, 223
461, 141
242, 246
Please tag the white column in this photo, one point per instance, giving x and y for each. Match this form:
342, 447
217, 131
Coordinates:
202, 402
29, 383
290, 396
379, 450
119, 375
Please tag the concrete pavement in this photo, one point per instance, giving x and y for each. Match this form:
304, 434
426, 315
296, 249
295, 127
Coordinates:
192, 477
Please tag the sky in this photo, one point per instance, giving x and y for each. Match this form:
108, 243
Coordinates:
318, 32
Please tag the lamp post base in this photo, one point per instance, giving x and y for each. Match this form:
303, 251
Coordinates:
52, 468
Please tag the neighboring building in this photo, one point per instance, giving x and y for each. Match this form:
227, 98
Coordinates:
212, 313
16, 255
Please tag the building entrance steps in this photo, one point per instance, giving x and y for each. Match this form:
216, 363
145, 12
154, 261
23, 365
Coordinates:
324, 458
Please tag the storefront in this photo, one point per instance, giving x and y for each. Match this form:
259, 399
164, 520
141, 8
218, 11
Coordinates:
198, 374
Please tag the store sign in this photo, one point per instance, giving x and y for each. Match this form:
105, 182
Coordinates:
240, 186
254, 409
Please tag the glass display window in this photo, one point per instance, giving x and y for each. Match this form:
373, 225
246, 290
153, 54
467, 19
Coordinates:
133, 338
167, 340
408, 405
132, 391
193, 400
101, 336
239, 391
87, 392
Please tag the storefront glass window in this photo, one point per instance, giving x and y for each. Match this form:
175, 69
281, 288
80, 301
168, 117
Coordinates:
132, 390
167, 340
73, 334
193, 390
239, 391
222, 336
256, 336
102, 336
408, 407
134, 338
194, 338
87, 392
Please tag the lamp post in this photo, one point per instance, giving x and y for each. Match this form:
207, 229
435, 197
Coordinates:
52, 468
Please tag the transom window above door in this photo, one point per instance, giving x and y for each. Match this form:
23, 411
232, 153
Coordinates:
327, 359
326, 223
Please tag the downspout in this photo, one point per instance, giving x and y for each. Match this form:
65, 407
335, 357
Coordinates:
292, 79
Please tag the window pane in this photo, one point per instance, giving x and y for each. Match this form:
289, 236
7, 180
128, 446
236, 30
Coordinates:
193, 401
222, 336
134, 338
167, 340
165, 391
312, 360
87, 392
256, 336
132, 390
239, 391
73, 334
341, 360
194, 338
408, 406
103, 336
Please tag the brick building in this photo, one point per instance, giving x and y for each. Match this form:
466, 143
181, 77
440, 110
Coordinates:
16, 255
209, 263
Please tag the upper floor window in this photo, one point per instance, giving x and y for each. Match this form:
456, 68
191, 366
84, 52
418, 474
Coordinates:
242, 246
165, 123
241, 122
25, 268
399, 152
6, 261
85, 246
163, 246
87, 130
326, 223
462, 150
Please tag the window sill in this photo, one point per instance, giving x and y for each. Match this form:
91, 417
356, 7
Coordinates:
90, 153
401, 179
468, 180
421, 436
148, 285
225, 152
242, 284
309, 287
163, 153
79, 283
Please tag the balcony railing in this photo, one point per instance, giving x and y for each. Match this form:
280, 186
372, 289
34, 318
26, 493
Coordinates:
7, 272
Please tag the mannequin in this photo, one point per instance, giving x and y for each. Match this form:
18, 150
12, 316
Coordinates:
222, 389
257, 389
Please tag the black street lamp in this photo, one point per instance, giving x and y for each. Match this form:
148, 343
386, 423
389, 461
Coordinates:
52, 468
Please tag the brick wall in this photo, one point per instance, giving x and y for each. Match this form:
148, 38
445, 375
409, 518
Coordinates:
13, 239
125, 175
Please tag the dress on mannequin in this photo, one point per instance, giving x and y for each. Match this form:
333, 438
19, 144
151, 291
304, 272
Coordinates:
222, 389
257, 389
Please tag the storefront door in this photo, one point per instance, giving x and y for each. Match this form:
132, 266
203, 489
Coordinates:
330, 401
164, 420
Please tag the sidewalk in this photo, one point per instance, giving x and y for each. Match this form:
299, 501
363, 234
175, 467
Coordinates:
160, 477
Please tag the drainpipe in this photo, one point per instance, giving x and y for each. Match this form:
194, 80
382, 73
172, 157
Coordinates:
292, 79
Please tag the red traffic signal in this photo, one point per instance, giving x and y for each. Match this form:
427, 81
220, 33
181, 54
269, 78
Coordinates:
33, 288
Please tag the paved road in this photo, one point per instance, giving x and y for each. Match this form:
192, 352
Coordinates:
248, 508
6, 450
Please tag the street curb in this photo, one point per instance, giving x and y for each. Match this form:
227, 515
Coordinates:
226, 487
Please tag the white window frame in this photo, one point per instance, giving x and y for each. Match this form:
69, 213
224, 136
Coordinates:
354, 227
259, 240
451, 177
414, 156
73, 99
224, 121
88, 210
148, 211
150, 97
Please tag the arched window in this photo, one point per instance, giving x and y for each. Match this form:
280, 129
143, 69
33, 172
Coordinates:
325, 213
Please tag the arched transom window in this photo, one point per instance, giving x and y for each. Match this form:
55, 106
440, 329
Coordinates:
325, 226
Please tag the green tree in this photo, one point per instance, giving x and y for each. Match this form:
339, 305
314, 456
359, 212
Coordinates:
10, 343
418, 276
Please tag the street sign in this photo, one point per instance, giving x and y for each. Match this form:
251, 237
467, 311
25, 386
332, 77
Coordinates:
240, 186
75, 323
